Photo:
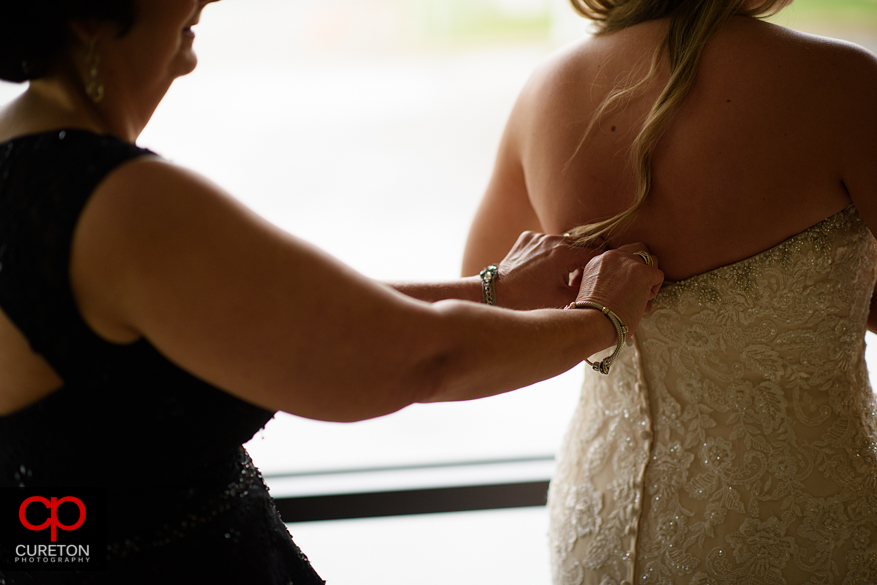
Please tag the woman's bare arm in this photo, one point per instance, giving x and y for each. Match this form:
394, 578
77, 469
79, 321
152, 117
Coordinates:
162, 253
856, 87
505, 209
533, 275
464, 289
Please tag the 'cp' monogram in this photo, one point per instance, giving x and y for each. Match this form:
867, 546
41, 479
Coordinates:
52, 506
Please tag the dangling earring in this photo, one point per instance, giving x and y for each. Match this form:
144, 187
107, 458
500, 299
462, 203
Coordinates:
94, 87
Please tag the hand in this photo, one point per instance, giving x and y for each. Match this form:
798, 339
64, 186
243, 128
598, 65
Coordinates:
621, 281
535, 273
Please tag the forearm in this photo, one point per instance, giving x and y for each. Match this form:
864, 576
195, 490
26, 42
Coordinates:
464, 289
492, 351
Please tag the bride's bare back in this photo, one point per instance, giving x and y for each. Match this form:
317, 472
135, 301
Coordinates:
778, 133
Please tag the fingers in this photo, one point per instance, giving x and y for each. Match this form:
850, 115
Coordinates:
545, 270
537, 270
621, 280
634, 247
578, 257
641, 248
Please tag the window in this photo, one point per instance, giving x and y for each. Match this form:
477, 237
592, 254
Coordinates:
369, 128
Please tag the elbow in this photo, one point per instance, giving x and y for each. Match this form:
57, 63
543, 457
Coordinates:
441, 372
428, 364
435, 377
428, 380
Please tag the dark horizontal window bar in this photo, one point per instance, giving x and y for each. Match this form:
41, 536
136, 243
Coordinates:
414, 467
415, 501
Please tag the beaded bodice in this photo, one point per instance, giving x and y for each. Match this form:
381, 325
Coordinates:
735, 440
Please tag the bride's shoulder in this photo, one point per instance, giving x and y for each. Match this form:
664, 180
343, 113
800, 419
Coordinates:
849, 61
816, 51
585, 70
844, 71
812, 69
594, 52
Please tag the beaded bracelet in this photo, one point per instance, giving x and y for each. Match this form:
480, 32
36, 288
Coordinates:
489, 276
620, 329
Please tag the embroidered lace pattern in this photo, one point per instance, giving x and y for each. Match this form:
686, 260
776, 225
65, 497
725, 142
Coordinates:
735, 442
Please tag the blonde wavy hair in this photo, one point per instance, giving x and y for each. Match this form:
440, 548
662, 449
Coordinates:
692, 24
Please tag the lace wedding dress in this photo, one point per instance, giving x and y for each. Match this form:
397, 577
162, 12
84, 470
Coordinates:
735, 441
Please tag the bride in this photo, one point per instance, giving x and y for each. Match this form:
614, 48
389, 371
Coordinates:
735, 440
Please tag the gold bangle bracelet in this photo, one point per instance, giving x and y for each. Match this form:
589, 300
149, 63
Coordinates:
620, 329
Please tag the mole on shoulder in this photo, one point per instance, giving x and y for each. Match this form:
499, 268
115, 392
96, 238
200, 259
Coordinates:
613, 128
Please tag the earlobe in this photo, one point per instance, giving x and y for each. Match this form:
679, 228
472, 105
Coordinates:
88, 34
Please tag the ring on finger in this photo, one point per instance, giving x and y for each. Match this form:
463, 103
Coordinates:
647, 258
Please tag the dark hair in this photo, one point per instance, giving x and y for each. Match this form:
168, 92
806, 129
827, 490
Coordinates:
33, 31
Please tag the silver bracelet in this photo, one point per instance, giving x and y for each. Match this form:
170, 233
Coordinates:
489, 276
620, 329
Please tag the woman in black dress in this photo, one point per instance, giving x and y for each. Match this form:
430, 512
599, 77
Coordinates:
150, 324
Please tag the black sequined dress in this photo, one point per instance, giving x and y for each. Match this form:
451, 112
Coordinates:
185, 503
